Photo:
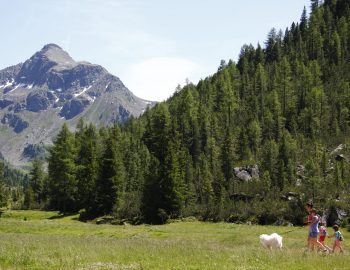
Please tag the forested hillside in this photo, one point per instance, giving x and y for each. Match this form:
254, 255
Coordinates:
276, 116
12, 183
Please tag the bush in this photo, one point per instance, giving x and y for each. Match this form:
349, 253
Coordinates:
295, 213
269, 212
189, 219
130, 207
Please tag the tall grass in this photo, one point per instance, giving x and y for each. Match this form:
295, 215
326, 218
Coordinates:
43, 240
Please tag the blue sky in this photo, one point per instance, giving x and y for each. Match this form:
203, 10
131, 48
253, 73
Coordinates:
152, 45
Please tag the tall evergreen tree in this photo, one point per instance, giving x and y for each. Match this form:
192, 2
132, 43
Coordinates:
36, 180
29, 198
303, 20
254, 135
3, 193
171, 184
61, 169
314, 5
86, 167
151, 197
110, 184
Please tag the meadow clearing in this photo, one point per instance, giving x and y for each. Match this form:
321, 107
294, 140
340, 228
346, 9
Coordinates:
44, 240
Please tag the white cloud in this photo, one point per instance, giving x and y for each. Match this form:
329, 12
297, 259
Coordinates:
156, 78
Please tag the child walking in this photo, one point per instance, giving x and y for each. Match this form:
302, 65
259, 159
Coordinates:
337, 239
322, 235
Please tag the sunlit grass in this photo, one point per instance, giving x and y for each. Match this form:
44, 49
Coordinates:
43, 240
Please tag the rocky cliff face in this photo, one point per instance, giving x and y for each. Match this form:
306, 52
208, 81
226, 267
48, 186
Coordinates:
50, 88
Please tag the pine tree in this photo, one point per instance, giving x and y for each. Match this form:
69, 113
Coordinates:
61, 169
3, 193
29, 198
324, 163
335, 48
157, 133
338, 182
151, 197
273, 119
270, 161
171, 183
303, 20
218, 177
272, 49
36, 180
86, 166
110, 184
344, 120
228, 156
286, 95
314, 5
266, 183
254, 135
205, 187
259, 55
260, 91
313, 178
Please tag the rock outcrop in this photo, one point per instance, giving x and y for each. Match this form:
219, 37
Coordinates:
14, 121
247, 173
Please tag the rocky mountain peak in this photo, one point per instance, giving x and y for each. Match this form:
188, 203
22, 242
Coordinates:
36, 70
50, 46
49, 88
56, 54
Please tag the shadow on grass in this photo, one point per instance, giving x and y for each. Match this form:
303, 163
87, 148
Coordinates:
62, 215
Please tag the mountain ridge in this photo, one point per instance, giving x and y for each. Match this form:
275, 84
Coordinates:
51, 88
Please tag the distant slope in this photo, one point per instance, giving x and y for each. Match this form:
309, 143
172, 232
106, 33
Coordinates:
50, 88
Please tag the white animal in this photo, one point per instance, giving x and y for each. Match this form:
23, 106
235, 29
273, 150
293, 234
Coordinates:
271, 241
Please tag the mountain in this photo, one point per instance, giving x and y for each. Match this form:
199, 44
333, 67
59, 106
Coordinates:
49, 89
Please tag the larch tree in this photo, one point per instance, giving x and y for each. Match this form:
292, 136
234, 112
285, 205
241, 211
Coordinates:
61, 170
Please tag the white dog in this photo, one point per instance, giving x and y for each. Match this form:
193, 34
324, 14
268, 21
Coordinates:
271, 241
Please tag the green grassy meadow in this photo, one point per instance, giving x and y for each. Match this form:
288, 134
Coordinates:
44, 240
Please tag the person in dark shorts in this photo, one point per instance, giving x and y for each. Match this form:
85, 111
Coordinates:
309, 206
313, 232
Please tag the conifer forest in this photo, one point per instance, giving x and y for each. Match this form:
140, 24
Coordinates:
251, 143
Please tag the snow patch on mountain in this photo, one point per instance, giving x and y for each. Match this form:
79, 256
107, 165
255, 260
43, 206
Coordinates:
8, 83
83, 91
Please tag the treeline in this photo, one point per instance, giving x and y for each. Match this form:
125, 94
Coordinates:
12, 183
281, 105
